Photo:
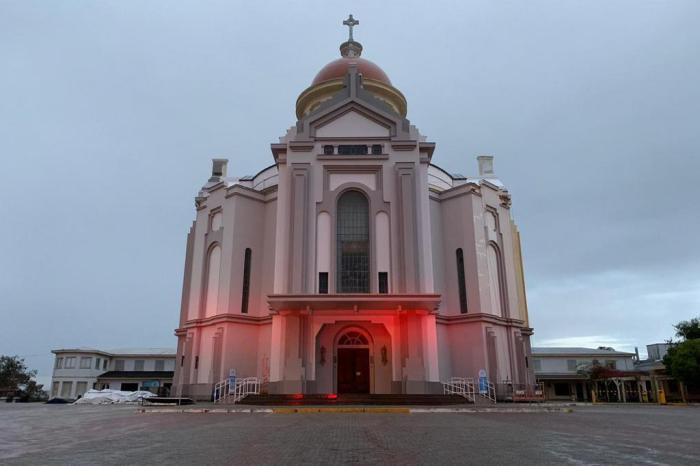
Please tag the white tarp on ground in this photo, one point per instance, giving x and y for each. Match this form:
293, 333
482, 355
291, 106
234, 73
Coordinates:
102, 397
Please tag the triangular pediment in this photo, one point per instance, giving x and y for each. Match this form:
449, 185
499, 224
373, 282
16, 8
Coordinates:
353, 124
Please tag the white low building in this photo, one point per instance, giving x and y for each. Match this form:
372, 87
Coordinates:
562, 370
76, 370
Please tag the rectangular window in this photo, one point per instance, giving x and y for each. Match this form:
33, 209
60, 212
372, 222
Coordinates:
571, 365
196, 362
352, 149
160, 365
119, 365
182, 361
246, 281
138, 365
537, 364
461, 281
66, 389
611, 364
376, 149
384, 282
129, 387
104, 365
59, 363
69, 363
328, 149
54, 388
85, 363
323, 283
80, 389
97, 363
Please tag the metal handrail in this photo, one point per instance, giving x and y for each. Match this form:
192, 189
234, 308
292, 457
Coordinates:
462, 386
225, 391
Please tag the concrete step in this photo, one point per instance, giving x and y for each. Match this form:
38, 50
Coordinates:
352, 399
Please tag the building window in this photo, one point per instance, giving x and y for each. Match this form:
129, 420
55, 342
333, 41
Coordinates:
611, 364
211, 302
80, 389
129, 387
119, 365
66, 389
352, 242
383, 282
160, 365
59, 363
85, 363
352, 149
97, 363
376, 149
54, 389
182, 361
571, 365
69, 363
196, 362
104, 365
246, 281
493, 260
328, 150
323, 283
537, 364
138, 365
461, 281
353, 339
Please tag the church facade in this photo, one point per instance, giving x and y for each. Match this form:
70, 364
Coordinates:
352, 264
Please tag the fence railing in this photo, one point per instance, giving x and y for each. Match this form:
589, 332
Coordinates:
463, 386
233, 390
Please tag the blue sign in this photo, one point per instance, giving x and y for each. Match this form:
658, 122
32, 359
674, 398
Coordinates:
483, 382
151, 384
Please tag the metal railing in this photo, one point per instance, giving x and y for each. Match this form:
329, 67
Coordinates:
490, 392
228, 392
463, 386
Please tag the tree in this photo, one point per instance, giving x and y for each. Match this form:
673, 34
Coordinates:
683, 358
17, 380
688, 329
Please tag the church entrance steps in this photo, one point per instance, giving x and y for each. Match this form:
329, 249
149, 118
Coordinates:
360, 410
365, 399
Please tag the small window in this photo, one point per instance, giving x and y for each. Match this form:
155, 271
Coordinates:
119, 365
384, 282
85, 363
461, 281
352, 149
246, 281
104, 365
196, 362
571, 365
323, 282
66, 389
611, 364
54, 388
97, 363
69, 363
182, 361
138, 365
129, 387
59, 363
80, 389
160, 365
537, 364
328, 149
376, 149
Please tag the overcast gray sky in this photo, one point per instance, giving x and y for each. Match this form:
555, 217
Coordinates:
111, 111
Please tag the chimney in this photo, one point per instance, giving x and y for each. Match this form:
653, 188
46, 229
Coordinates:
485, 165
636, 353
218, 169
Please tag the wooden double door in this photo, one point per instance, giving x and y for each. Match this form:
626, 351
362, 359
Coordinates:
353, 370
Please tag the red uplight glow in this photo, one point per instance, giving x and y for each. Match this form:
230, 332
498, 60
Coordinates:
332, 396
297, 396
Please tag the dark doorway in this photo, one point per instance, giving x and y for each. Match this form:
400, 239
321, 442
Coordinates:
353, 370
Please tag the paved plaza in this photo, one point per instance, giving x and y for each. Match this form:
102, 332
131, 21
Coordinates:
40, 434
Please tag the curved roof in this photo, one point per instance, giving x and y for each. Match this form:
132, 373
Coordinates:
339, 68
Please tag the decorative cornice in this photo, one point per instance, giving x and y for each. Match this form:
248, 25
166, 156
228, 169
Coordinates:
461, 190
403, 145
505, 199
221, 319
480, 318
354, 302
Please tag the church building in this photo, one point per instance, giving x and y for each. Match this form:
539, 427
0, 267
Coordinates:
353, 263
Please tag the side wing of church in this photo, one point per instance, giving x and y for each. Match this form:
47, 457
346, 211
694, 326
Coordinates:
352, 264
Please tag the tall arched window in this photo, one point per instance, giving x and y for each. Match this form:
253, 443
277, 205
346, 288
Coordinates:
461, 281
211, 302
495, 279
352, 239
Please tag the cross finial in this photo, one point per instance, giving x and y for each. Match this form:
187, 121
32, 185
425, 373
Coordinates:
350, 23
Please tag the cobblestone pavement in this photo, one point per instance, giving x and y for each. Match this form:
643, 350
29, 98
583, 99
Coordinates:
89, 435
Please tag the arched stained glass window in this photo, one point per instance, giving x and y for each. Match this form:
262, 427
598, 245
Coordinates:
353, 339
352, 242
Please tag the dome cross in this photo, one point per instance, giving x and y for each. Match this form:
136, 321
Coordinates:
350, 23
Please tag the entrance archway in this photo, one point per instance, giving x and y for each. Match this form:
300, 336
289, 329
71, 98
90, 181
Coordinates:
353, 368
